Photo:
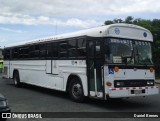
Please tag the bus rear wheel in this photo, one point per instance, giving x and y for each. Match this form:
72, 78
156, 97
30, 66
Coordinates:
16, 79
76, 90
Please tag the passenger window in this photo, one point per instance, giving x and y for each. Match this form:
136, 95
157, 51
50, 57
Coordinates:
15, 53
55, 50
23, 52
63, 49
36, 51
31, 51
42, 52
52, 50
72, 48
81, 48
49, 50
7, 54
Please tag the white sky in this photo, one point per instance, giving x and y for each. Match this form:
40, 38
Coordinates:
19, 19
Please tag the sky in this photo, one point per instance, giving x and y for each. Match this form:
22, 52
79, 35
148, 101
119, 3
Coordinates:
22, 20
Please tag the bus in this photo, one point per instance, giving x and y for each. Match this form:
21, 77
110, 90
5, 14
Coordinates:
112, 61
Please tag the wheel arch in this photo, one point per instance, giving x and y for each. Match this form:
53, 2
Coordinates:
16, 78
70, 77
15, 71
83, 81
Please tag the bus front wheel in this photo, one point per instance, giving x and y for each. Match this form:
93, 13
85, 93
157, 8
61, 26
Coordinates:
76, 90
16, 79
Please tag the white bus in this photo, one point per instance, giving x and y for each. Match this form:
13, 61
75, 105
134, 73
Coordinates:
112, 61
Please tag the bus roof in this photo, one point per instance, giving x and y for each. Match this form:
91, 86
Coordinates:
120, 30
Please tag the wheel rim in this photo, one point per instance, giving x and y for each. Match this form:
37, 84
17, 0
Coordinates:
76, 90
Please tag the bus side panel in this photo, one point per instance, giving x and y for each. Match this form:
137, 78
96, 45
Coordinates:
34, 72
73, 67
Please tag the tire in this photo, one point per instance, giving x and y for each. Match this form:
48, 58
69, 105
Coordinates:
76, 90
16, 79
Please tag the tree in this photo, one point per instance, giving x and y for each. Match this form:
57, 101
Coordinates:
136, 21
129, 20
117, 20
108, 22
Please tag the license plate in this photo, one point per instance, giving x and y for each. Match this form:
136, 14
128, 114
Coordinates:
137, 91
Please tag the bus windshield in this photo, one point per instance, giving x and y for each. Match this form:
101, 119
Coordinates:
127, 51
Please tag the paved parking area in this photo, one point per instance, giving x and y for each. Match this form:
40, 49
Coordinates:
36, 99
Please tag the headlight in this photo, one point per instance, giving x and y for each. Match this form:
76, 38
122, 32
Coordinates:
3, 103
150, 83
118, 84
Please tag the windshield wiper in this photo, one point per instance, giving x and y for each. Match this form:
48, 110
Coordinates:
130, 56
124, 58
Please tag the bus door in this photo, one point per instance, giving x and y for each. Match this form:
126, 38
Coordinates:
95, 69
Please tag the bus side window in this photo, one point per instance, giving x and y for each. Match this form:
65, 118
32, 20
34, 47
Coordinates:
24, 52
36, 51
55, 50
63, 49
72, 48
81, 48
20, 53
52, 50
7, 54
42, 51
31, 51
15, 53
49, 50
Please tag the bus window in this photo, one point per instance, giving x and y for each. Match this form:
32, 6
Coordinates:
55, 50
15, 53
72, 48
31, 51
36, 51
24, 52
81, 48
49, 50
7, 54
42, 51
63, 49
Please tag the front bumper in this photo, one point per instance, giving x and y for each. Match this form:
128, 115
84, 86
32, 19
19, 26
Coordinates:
130, 91
5, 110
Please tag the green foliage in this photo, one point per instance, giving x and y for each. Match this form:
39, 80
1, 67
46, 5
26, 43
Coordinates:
108, 22
154, 27
129, 20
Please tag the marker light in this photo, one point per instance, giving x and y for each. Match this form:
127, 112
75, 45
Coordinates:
108, 83
151, 69
116, 68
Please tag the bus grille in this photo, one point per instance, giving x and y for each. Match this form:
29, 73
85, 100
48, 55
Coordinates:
131, 83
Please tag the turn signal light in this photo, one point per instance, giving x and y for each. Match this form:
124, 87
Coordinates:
108, 83
116, 68
151, 69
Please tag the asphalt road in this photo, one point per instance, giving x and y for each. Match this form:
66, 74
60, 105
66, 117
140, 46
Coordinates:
36, 99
